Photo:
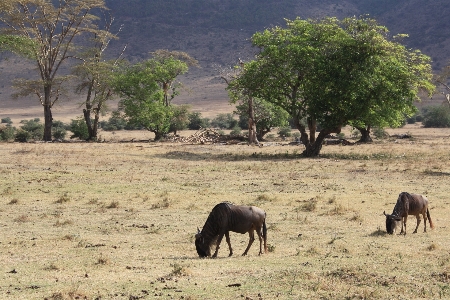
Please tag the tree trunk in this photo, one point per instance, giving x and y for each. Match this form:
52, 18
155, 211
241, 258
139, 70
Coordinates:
313, 149
304, 138
48, 122
252, 135
312, 126
365, 134
158, 135
87, 111
95, 127
261, 133
48, 117
87, 119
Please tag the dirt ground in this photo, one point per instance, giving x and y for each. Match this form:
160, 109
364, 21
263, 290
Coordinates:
117, 220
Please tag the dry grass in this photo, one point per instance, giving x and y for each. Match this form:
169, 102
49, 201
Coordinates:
88, 246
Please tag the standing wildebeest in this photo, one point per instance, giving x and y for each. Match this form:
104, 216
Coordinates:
408, 204
227, 217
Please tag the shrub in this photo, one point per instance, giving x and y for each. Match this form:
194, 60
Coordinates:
34, 130
180, 118
236, 131
413, 119
59, 131
437, 116
6, 120
356, 134
79, 129
22, 136
7, 133
196, 121
115, 122
380, 133
285, 131
224, 121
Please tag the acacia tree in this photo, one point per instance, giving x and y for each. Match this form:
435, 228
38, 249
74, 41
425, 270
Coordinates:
17, 44
96, 75
52, 27
333, 72
239, 94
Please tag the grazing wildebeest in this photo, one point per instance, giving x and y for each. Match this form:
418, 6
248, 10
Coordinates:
408, 204
226, 217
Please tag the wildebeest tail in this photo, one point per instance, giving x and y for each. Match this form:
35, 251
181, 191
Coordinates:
265, 235
429, 218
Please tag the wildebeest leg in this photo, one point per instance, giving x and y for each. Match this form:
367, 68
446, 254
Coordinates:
404, 219
418, 222
227, 237
258, 231
251, 234
424, 221
219, 239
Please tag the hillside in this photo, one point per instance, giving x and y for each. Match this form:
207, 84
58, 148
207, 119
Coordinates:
217, 33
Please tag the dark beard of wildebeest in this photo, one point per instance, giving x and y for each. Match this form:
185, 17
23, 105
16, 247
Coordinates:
226, 217
408, 204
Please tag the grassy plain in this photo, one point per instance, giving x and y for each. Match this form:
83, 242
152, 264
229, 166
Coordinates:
117, 220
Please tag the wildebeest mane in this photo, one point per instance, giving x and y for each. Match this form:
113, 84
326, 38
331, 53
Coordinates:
402, 206
210, 231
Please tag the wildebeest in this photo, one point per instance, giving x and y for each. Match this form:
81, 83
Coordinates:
226, 217
408, 204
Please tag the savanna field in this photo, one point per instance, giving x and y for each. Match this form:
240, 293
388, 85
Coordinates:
117, 220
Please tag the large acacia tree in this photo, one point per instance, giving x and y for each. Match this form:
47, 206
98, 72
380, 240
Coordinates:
332, 73
52, 26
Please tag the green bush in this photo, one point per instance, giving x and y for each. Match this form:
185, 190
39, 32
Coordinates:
236, 131
7, 133
356, 134
6, 120
30, 130
437, 117
79, 129
380, 133
59, 131
196, 121
115, 122
22, 136
224, 121
285, 132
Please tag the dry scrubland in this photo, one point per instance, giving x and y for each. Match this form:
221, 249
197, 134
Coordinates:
117, 220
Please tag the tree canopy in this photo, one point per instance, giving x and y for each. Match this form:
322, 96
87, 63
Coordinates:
146, 89
333, 73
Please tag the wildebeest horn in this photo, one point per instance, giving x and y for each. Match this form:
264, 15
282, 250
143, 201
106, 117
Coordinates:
384, 213
199, 234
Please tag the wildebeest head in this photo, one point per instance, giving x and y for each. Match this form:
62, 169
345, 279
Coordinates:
391, 222
203, 250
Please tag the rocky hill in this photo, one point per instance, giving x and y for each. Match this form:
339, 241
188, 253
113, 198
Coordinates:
217, 31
